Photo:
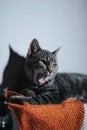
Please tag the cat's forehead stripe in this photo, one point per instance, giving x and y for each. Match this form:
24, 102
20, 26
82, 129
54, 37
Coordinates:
47, 53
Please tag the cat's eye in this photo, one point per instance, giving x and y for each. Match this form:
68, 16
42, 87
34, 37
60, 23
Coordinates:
47, 58
41, 63
55, 65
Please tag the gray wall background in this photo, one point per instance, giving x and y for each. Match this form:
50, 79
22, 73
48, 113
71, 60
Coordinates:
53, 22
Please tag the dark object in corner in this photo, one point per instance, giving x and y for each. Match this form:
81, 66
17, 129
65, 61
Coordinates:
13, 70
6, 121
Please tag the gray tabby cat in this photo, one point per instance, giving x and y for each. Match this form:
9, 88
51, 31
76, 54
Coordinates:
43, 85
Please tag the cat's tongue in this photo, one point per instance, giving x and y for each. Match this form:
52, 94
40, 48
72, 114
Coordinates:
41, 81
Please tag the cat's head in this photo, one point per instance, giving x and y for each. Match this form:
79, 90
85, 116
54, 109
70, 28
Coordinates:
41, 65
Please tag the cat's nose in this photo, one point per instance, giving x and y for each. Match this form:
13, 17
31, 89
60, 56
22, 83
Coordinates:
50, 69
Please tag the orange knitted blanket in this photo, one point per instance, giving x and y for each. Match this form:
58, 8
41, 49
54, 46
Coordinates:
68, 115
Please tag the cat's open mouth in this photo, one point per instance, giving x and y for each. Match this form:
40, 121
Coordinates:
43, 78
40, 79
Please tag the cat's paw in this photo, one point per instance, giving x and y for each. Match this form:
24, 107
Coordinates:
17, 99
28, 93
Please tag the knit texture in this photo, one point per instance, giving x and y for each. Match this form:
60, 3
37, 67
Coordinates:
68, 115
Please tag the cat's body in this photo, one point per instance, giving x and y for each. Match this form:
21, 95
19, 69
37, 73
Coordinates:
40, 82
64, 86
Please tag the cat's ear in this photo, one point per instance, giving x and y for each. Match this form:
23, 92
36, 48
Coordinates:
34, 46
56, 51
